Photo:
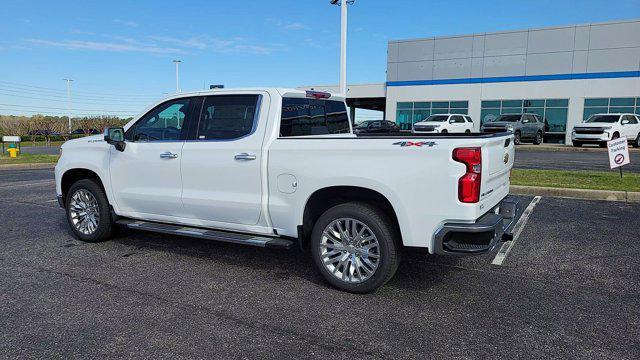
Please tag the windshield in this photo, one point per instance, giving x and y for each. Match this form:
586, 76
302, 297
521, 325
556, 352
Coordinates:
437, 118
508, 118
603, 119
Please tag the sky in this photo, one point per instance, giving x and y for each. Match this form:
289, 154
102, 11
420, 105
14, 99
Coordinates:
119, 53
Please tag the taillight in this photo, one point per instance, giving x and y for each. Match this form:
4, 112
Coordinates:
469, 184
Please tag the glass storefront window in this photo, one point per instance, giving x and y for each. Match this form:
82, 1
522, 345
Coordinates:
612, 105
408, 113
622, 102
556, 118
533, 103
558, 103
512, 103
553, 111
596, 102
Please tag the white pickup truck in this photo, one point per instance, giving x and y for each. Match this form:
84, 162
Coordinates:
279, 168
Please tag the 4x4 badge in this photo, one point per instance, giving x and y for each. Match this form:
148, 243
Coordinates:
418, 144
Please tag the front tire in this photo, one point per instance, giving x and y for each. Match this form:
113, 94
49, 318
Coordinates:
88, 211
353, 246
444, 131
637, 142
577, 144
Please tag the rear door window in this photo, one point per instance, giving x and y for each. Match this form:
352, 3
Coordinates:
226, 117
458, 119
303, 117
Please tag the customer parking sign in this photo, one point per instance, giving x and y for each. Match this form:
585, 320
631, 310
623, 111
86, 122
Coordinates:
618, 152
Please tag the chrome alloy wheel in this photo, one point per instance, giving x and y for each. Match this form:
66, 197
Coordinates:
84, 212
349, 250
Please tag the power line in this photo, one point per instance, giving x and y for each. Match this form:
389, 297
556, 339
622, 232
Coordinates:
54, 108
37, 92
2, 93
54, 113
19, 85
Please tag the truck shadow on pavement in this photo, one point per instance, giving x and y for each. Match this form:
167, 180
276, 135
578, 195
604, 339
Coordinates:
417, 271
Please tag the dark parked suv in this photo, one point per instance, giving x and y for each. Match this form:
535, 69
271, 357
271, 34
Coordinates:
523, 126
376, 126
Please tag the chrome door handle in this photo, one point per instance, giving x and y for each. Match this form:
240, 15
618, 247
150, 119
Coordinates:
168, 155
244, 156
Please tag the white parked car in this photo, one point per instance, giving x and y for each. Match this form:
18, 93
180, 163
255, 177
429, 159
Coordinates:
279, 168
444, 123
600, 128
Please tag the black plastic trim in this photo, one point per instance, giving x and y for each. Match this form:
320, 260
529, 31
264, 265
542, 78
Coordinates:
496, 225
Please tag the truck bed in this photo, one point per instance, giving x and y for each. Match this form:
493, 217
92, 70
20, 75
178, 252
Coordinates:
405, 135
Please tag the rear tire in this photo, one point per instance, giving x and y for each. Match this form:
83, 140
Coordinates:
538, 139
444, 131
615, 136
637, 142
361, 263
517, 139
88, 212
467, 131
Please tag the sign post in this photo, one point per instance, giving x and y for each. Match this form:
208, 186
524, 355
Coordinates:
618, 153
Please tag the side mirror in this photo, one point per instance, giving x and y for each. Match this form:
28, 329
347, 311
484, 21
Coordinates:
115, 137
625, 122
525, 121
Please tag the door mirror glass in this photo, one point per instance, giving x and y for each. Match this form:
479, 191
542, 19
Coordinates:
525, 121
625, 122
115, 136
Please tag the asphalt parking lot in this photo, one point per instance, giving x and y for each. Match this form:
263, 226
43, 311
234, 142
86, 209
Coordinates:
568, 288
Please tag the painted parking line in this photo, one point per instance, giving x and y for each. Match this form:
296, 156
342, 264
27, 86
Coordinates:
507, 246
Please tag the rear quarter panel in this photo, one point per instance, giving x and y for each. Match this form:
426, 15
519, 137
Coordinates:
418, 176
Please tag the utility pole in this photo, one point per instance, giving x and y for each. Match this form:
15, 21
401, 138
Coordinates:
343, 42
69, 101
177, 62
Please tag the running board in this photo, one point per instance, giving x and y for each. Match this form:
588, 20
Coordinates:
217, 235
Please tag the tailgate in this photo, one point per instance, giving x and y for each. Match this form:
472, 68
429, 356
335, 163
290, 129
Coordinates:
497, 160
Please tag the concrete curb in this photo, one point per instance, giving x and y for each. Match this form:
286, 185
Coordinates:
606, 195
566, 148
26, 166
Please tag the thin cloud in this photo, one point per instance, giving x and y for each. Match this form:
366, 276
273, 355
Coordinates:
295, 26
160, 44
126, 22
106, 46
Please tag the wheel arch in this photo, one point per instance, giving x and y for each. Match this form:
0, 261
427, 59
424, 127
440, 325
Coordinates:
71, 176
325, 198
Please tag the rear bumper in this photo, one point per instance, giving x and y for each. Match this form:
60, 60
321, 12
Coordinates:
480, 236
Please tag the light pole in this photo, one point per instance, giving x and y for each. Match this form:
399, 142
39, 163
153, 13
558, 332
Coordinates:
177, 62
343, 42
69, 101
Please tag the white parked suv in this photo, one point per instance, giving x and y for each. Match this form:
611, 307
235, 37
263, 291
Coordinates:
600, 128
279, 168
444, 123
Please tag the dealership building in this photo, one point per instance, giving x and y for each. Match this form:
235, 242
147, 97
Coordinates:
563, 73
